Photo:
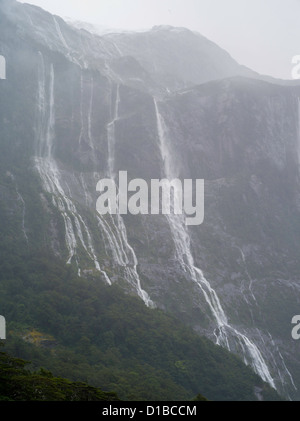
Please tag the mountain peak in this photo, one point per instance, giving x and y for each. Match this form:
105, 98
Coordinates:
169, 28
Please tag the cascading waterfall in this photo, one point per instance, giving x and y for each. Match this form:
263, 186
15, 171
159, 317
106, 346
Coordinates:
86, 126
285, 377
111, 138
75, 227
284, 373
113, 226
88, 197
59, 33
245, 289
20, 199
224, 333
248, 275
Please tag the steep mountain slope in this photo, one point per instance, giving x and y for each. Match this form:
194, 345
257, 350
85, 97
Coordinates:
88, 332
241, 136
178, 56
20, 384
76, 108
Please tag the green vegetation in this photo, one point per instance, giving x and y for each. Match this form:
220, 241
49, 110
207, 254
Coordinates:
87, 332
20, 384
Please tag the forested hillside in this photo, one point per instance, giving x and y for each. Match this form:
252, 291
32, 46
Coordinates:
87, 332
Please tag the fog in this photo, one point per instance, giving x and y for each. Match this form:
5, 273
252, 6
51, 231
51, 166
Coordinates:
263, 35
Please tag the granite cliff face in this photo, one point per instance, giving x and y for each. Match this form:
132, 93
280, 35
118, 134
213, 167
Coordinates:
77, 107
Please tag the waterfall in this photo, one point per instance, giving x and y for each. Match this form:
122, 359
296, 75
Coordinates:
20, 199
90, 136
248, 275
111, 138
114, 228
75, 227
224, 332
59, 33
86, 126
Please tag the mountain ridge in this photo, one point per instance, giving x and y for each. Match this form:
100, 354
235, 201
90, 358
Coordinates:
75, 104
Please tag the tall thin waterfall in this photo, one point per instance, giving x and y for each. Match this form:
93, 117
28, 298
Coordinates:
113, 226
76, 230
224, 333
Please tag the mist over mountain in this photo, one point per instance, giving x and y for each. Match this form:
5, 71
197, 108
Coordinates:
77, 107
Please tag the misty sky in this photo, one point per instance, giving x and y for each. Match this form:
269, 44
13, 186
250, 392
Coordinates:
261, 34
